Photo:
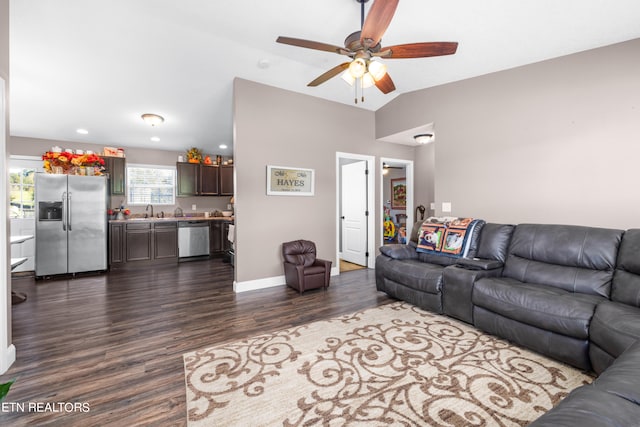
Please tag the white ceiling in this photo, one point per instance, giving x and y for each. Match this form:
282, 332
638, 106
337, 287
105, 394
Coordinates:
99, 65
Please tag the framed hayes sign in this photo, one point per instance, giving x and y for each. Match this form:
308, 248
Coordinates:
287, 181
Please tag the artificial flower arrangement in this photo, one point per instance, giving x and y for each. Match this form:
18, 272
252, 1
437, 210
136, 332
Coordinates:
69, 163
194, 155
113, 213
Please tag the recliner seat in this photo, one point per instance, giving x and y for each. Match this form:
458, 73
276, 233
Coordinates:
553, 279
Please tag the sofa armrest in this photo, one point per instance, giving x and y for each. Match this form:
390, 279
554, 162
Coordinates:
323, 263
479, 264
397, 251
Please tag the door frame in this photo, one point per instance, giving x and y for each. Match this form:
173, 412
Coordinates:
408, 165
370, 204
7, 349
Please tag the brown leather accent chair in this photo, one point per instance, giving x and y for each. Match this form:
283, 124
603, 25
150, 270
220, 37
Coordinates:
302, 270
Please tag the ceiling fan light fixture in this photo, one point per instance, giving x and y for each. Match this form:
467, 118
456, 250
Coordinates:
152, 119
377, 69
357, 68
348, 78
367, 80
423, 138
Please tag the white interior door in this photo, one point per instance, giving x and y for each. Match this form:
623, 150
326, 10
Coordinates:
354, 208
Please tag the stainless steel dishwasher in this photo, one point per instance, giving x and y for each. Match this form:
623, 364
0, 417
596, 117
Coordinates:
193, 238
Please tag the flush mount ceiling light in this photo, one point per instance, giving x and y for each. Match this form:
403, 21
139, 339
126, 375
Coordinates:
152, 119
82, 131
155, 139
423, 138
222, 146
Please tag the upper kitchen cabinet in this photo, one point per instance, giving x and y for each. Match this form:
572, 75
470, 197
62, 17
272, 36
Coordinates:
204, 180
209, 180
115, 167
226, 180
188, 183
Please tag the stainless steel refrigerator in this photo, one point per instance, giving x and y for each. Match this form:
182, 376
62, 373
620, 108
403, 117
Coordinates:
71, 223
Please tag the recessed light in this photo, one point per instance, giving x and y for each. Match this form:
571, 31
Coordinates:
82, 131
155, 139
222, 146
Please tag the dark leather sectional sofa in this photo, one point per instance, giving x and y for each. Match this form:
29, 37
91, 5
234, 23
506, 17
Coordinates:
569, 292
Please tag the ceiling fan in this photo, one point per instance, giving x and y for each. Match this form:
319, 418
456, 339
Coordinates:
363, 47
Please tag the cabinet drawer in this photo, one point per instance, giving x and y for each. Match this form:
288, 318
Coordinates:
139, 226
171, 224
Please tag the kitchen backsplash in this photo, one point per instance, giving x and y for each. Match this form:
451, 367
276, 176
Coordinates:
202, 203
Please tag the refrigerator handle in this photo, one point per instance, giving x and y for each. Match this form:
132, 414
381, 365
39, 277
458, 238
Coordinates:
69, 211
64, 211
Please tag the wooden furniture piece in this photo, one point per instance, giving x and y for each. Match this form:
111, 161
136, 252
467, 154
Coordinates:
195, 179
302, 270
116, 167
139, 243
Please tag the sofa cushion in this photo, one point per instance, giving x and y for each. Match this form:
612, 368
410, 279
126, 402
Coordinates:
573, 258
415, 274
615, 327
623, 377
626, 280
545, 307
588, 406
494, 241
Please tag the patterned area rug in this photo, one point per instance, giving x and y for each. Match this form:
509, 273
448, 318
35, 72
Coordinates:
390, 365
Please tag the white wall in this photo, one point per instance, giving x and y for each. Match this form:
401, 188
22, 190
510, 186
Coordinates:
552, 142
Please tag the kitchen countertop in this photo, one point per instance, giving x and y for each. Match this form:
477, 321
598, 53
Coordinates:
174, 218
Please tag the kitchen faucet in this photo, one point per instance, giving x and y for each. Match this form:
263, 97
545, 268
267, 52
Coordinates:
147, 208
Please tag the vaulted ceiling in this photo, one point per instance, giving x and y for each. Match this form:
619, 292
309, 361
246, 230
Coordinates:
99, 65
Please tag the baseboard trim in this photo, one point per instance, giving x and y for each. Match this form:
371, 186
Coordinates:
254, 285
268, 282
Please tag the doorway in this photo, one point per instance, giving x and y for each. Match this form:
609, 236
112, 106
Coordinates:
396, 195
355, 200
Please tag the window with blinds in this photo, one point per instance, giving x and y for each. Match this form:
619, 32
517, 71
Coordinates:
147, 184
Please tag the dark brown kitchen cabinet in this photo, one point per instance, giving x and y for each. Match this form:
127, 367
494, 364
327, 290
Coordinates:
188, 179
116, 167
204, 180
165, 240
226, 181
218, 242
209, 180
135, 244
116, 241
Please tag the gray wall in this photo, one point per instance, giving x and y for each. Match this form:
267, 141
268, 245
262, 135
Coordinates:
36, 147
552, 142
282, 128
424, 170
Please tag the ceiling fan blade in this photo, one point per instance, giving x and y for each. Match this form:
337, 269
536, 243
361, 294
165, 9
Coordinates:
385, 84
419, 50
377, 21
310, 44
329, 74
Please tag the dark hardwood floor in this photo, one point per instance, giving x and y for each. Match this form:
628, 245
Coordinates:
115, 341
